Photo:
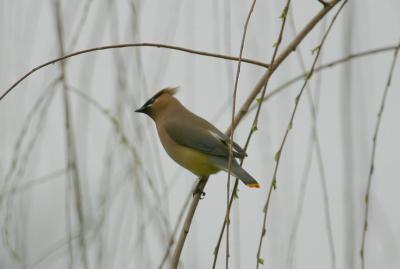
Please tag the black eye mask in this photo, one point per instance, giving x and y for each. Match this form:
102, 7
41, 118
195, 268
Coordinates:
149, 102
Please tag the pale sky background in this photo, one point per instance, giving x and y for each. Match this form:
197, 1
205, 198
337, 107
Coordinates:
132, 192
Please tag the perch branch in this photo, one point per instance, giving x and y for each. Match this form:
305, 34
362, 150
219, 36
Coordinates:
245, 107
252, 130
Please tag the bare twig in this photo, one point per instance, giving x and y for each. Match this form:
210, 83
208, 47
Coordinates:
323, 2
348, 136
309, 153
226, 57
82, 22
188, 221
228, 186
318, 69
245, 107
123, 138
90, 229
274, 92
279, 59
71, 154
34, 182
44, 101
372, 163
20, 160
300, 201
289, 127
172, 238
252, 130
323, 67
315, 137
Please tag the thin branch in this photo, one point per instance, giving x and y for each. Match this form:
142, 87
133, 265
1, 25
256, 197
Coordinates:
172, 238
313, 105
315, 137
244, 109
80, 24
325, 66
328, 221
280, 58
252, 130
71, 154
318, 69
323, 2
20, 160
372, 164
34, 182
90, 229
300, 200
39, 107
289, 127
188, 221
228, 186
129, 45
123, 138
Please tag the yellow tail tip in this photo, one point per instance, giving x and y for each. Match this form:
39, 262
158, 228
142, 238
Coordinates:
253, 185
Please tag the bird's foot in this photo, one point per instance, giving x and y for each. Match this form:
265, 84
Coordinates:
200, 188
202, 194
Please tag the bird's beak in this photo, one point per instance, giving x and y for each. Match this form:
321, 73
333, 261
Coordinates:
141, 110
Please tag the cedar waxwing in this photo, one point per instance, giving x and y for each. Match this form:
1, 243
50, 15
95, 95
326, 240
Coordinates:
191, 141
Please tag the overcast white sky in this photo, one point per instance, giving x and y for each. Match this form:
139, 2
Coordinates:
132, 192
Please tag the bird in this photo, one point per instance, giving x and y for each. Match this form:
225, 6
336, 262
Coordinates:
191, 141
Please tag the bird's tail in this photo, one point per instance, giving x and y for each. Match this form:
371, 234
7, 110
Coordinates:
237, 171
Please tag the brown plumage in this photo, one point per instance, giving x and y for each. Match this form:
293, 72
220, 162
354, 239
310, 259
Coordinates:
191, 141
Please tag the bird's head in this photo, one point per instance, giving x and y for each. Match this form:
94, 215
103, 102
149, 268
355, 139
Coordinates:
160, 101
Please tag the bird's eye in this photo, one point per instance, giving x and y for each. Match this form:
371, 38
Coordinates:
152, 101
149, 102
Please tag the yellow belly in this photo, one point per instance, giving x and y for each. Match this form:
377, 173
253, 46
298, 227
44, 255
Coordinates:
191, 159
196, 162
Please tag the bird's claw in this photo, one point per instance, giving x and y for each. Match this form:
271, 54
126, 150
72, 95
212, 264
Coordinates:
202, 193
199, 189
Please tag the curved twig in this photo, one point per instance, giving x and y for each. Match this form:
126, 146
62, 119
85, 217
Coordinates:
371, 167
245, 107
71, 158
289, 127
316, 142
252, 130
129, 45
228, 186
325, 66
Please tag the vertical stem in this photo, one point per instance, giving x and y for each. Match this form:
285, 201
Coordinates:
315, 142
371, 167
289, 127
73, 173
245, 108
228, 186
255, 121
347, 132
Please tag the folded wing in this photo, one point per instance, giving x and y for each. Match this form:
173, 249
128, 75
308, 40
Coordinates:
207, 140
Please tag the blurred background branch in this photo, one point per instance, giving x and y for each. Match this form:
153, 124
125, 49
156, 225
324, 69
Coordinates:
133, 199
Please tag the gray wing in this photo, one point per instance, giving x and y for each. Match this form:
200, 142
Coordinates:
209, 141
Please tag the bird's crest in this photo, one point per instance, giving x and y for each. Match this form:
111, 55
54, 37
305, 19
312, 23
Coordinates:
168, 90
